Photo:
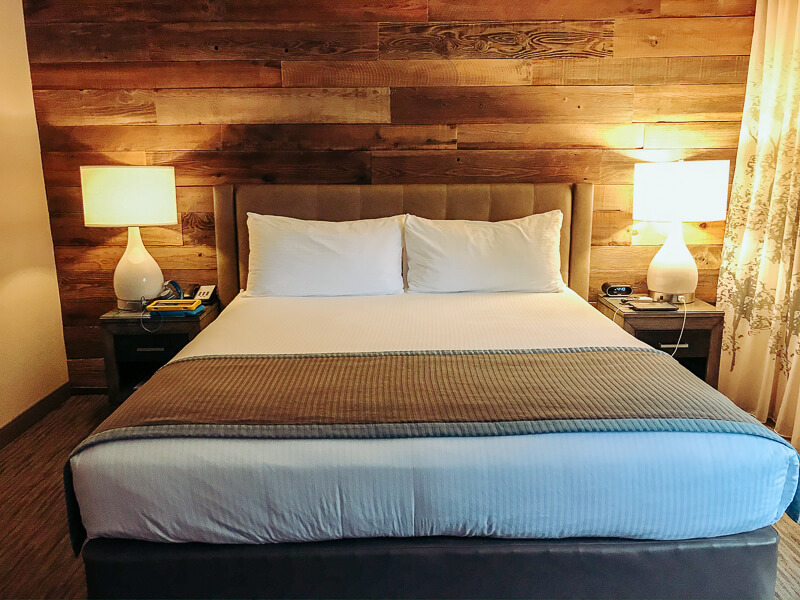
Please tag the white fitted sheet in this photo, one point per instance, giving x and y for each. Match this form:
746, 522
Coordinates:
635, 485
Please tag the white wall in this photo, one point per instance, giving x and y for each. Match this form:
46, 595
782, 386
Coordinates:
32, 358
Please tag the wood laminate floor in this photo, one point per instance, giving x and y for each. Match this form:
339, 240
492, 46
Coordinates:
35, 556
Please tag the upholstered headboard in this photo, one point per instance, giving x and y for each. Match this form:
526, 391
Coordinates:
477, 202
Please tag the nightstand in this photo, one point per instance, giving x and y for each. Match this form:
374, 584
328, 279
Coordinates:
133, 354
699, 348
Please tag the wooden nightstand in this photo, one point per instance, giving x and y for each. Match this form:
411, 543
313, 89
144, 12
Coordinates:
699, 349
133, 354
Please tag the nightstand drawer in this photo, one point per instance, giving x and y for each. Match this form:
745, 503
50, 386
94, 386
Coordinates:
149, 348
693, 344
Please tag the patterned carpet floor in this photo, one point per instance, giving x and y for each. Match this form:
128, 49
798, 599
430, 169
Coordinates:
35, 556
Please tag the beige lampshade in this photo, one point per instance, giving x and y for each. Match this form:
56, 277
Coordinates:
681, 191
128, 196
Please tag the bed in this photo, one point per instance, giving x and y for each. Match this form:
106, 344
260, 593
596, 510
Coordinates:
574, 513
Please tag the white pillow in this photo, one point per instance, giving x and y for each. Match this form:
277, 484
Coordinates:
292, 257
475, 256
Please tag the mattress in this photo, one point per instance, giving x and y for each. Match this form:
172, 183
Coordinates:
653, 485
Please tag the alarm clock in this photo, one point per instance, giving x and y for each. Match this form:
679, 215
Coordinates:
617, 289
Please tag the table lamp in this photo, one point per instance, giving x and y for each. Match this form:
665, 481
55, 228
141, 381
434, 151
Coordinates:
131, 197
675, 193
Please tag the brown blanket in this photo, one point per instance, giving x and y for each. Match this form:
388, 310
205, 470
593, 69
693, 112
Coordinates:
367, 391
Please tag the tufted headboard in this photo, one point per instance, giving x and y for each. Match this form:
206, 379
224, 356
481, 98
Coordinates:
477, 202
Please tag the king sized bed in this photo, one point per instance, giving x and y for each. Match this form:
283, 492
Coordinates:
490, 444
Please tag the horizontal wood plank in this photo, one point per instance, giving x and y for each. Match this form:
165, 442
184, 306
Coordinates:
86, 42
655, 234
505, 10
63, 168
262, 41
130, 138
640, 71
69, 200
536, 104
486, 166
683, 37
69, 230
707, 8
105, 258
211, 168
99, 285
706, 284
328, 105
280, 11
406, 73
550, 135
677, 103
131, 75
724, 134
95, 107
610, 258
617, 165
307, 137
488, 40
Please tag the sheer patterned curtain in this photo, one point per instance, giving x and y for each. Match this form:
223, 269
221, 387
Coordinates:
759, 286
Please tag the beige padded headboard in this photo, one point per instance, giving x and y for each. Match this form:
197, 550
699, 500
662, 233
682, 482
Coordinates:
476, 202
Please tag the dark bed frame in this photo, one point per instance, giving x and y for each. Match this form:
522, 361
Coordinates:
736, 566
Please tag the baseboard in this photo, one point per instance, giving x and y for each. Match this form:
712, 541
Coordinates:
17, 426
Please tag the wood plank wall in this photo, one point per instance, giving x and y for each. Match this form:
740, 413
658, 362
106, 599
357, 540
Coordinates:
360, 91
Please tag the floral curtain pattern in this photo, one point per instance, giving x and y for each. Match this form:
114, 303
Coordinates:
759, 285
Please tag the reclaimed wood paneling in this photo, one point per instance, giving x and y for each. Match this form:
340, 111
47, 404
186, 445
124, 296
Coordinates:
311, 137
359, 91
486, 166
105, 258
69, 230
128, 138
406, 73
262, 41
326, 105
211, 168
86, 42
550, 135
707, 8
683, 37
504, 10
535, 104
131, 75
95, 107
724, 134
699, 103
640, 71
63, 168
538, 39
278, 11
69, 200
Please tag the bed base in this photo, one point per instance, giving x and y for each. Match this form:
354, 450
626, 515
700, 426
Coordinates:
737, 566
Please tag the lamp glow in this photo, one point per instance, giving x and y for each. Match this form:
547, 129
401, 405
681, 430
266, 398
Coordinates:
676, 193
131, 197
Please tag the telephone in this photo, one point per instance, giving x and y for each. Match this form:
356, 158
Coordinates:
205, 293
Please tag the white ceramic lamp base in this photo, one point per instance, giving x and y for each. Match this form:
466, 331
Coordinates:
137, 275
673, 271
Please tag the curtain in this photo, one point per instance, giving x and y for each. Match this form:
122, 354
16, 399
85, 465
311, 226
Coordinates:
759, 285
